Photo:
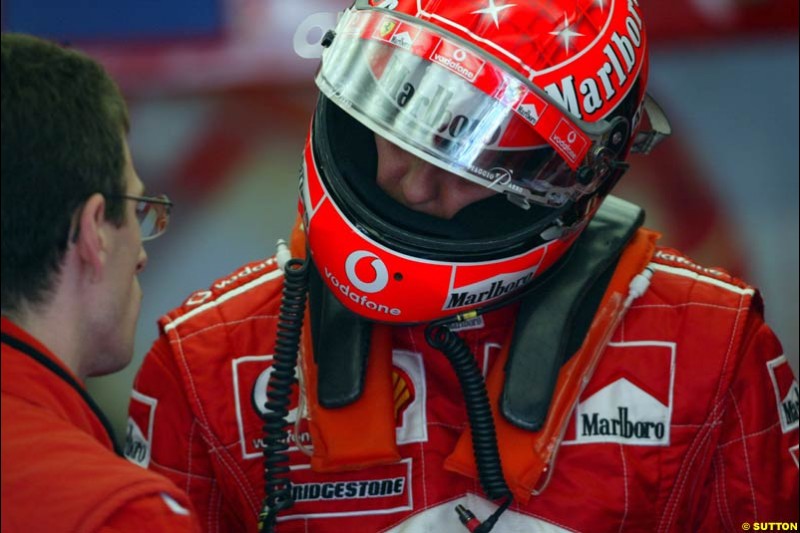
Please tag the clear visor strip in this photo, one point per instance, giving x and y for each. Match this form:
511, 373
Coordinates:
571, 141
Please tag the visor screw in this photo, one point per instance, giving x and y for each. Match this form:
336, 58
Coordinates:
398, 276
585, 175
604, 167
327, 39
616, 138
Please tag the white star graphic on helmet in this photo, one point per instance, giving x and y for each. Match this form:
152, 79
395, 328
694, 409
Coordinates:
566, 33
492, 10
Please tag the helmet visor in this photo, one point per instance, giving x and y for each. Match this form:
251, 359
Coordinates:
449, 104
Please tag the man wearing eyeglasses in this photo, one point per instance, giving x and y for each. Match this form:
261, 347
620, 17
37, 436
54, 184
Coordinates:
74, 216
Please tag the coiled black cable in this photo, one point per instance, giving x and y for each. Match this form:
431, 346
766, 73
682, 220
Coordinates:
479, 413
277, 486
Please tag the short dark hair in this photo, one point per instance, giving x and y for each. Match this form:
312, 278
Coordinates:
63, 126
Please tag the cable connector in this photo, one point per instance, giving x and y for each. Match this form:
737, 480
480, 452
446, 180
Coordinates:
638, 286
467, 518
641, 282
476, 526
265, 521
283, 254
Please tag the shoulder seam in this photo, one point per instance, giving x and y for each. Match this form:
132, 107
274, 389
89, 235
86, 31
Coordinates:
269, 276
687, 273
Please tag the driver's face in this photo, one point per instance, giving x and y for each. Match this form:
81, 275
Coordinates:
421, 186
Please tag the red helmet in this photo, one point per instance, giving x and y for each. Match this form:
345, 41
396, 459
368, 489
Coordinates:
534, 99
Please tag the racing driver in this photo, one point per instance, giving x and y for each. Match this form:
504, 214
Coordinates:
466, 331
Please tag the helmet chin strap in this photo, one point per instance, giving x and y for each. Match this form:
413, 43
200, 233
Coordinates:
555, 316
341, 341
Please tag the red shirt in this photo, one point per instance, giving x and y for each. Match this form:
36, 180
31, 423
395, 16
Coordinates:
59, 469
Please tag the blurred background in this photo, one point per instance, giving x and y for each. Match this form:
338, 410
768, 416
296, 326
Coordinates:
221, 93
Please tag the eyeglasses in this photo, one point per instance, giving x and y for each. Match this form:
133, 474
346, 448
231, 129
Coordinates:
152, 213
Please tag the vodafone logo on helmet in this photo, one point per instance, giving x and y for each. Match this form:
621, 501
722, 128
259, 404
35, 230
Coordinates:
381, 273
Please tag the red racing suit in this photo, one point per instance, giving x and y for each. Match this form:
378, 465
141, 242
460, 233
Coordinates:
688, 422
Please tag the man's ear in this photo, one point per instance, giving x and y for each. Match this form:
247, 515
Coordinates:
93, 238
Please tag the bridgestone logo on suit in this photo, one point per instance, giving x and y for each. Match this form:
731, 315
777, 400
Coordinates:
348, 489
